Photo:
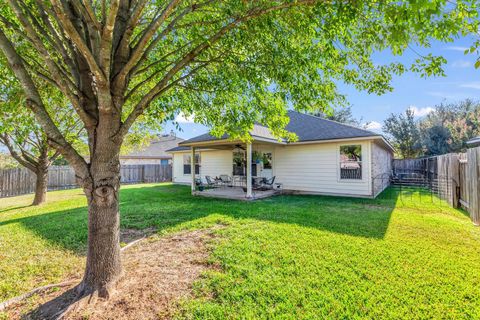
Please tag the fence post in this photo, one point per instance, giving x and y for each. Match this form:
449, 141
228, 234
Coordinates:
454, 173
473, 166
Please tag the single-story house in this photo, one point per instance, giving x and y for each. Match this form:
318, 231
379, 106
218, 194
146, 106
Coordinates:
155, 152
329, 158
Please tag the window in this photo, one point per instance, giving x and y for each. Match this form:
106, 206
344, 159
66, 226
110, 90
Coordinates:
267, 160
187, 164
239, 163
351, 162
164, 162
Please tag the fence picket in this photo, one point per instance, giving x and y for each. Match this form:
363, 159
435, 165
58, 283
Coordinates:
457, 178
18, 181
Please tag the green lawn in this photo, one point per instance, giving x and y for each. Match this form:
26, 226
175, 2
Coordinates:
282, 257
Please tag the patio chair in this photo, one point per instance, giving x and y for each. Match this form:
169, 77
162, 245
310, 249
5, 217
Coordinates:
268, 183
226, 180
210, 182
199, 184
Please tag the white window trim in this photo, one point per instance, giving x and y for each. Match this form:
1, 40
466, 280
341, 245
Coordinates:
199, 164
364, 178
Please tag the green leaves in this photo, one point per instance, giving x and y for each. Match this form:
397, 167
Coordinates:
274, 55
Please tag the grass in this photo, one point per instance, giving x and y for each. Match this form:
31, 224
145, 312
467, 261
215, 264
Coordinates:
399, 256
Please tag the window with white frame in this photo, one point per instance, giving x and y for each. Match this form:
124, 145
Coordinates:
187, 162
351, 162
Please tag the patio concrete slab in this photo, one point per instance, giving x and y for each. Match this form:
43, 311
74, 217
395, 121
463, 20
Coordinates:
235, 193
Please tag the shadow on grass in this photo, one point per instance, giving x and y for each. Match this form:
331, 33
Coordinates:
166, 206
13, 208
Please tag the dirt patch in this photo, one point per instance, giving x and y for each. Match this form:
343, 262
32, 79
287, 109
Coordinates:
158, 272
130, 235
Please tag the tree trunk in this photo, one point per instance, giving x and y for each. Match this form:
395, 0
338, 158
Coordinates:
41, 186
103, 258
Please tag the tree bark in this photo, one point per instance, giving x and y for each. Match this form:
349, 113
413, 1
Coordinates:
103, 266
41, 186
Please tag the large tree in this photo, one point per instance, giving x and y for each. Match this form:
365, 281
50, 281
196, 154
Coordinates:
402, 129
230, 63
24, 138
449, 126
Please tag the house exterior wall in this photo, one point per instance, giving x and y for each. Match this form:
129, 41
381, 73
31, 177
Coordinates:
215, 163
177, 170
212, 163
303, 168
315, 168
381, 168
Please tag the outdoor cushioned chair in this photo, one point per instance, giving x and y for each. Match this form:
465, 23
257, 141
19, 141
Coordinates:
225, 180
210, 182
268, 183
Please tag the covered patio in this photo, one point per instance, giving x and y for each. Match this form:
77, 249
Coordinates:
249, 175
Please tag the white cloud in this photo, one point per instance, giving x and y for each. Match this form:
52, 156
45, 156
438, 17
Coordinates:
457, 48
421, 112
471, 85
372, 125
182, 118
461, 64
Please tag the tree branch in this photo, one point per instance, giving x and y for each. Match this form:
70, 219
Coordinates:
142, 43
78, 41
5, 140
35, 103
189, 57
106, 41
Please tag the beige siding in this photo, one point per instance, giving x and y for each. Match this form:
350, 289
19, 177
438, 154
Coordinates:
307, 168
177, 171
314, 168
215, 163
381, 168
212, 163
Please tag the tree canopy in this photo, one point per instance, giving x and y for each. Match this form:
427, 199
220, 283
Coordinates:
229, 63
446, 129
403, 131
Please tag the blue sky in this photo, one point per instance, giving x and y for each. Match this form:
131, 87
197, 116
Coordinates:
410, 90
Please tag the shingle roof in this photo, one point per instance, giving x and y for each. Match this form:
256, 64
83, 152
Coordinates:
311, 128
306, 127
179, 148
157, 149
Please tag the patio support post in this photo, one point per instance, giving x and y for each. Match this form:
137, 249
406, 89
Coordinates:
192, 168
249, 170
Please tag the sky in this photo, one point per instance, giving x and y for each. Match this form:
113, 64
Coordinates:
462, 81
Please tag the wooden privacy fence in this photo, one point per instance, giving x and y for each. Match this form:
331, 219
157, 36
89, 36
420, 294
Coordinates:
455, 177
20, 181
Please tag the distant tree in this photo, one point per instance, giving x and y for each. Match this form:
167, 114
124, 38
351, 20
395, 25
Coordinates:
7, 162
449, 127
403, 131
24, 138
436, 140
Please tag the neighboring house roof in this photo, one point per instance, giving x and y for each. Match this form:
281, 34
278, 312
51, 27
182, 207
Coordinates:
179, 148
157, 149
306, 127
475, 142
